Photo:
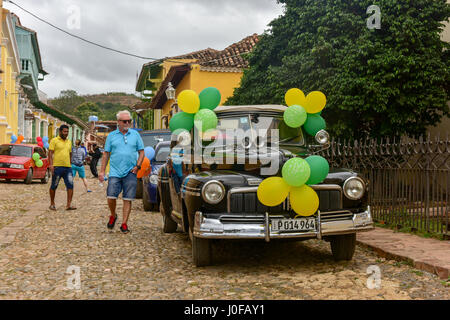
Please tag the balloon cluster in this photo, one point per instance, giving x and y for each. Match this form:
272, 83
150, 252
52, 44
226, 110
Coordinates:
17, 140
297, 173
37, 160
196, 109
145, 166
43, 142
305, 111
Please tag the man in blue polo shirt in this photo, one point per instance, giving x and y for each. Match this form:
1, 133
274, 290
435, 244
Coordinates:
120, 149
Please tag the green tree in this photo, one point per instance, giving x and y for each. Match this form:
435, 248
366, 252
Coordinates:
67, 101
389, 81
86, 109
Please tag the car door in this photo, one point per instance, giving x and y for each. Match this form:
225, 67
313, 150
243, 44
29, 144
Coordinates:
175, 194
39, 172
44, 158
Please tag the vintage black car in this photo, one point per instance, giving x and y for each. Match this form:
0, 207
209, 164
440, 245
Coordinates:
219, 201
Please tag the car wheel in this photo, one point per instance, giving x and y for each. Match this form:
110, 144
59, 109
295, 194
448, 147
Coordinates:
201, 251
169, 226
29, 177
343, 246
146, 201
139, 189
46, 177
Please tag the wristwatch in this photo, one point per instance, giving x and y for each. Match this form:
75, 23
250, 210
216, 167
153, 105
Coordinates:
138, 167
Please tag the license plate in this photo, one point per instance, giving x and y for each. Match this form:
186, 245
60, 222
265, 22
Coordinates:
3, 171
301, 224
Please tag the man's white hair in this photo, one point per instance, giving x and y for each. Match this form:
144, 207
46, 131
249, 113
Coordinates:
123, 112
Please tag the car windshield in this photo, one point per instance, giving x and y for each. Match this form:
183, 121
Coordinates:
261, 125
162, 155
17, 151
152, 140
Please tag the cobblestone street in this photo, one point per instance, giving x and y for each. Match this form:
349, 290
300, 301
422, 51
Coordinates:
38, 246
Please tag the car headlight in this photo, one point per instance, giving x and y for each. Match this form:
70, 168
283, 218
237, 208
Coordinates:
16, 166
153, 179
322, 137
213, 192
354, 188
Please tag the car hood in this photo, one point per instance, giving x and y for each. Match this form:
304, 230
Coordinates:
14, 159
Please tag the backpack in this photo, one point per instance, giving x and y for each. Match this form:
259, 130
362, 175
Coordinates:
78, 156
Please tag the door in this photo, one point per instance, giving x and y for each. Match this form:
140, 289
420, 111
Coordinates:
40, 172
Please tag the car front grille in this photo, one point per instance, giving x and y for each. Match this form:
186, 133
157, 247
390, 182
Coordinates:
245, 200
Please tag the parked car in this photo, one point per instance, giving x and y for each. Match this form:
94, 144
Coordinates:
150, 198
151, 138
214, 201
16, 163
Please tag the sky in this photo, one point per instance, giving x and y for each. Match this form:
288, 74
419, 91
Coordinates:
148, 28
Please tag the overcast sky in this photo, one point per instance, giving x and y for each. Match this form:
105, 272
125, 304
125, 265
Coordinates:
149, 28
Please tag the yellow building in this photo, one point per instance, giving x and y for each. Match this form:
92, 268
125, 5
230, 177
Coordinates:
9, 72
195, 71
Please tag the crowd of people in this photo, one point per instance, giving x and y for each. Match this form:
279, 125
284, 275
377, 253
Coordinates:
66, 161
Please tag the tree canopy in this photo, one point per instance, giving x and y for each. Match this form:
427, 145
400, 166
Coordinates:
86, 109
389, 81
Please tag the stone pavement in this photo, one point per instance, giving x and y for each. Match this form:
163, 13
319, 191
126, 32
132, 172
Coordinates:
42, 250
430, 255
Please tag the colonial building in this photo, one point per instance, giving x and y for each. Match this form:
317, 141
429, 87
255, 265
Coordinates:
195, 71
9, 82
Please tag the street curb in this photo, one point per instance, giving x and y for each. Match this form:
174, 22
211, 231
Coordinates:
443, 272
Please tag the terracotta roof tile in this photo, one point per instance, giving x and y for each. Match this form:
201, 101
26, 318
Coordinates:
229, 57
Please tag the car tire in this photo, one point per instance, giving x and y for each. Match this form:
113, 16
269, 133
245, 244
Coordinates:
169, 226
201, 252
148, 206
46, 177
343, 246
139, 189
29, 177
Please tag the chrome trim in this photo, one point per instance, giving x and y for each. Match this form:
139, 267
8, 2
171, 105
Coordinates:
221, 186
325, 187
215, 229
195, 194
238, 190
345, 183
319, 226
285, 207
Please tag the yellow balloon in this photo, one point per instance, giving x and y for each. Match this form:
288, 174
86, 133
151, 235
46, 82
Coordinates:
189, 101
315, 102
304, 200
273, 191
295, 96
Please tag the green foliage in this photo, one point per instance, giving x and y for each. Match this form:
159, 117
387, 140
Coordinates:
84, 110
391, 81
67, 101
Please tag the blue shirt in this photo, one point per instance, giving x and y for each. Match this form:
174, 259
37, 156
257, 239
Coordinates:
123, 150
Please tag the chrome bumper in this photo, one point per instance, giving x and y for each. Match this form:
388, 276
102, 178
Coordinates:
214, 229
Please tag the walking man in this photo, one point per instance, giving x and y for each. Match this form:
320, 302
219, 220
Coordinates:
78, 155
60, 153
121, 148
96, 155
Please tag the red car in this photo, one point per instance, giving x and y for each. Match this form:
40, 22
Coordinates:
16, 163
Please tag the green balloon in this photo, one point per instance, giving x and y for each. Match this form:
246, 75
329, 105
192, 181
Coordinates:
182, 120
206, 118
209, 98
319, 169
295, 116
39, 163
296, 172
36, 156
314, 124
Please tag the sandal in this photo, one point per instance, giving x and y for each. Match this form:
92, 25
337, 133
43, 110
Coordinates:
71, 208
52, 207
